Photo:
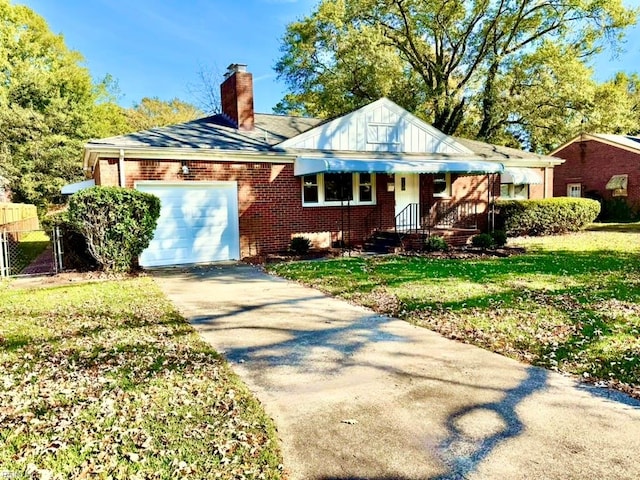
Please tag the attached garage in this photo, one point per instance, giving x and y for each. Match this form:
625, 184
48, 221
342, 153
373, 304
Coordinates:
198, 223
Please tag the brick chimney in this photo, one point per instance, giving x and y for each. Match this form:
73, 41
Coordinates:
236, 93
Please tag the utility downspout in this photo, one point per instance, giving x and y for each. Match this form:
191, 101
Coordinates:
122, 181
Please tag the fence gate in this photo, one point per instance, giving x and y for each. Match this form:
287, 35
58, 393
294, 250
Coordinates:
30, 252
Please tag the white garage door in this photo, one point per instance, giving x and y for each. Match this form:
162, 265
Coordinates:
198, 223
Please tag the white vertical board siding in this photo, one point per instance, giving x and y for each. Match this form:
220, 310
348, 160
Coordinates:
349, 133
198, 223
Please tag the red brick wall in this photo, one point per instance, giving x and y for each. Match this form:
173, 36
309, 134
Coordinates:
269, 200
544, 190
592, 164
464, 188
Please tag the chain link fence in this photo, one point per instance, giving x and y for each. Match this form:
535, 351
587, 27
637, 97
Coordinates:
30, 252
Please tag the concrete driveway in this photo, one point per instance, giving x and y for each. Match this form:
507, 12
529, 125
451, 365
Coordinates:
356, 395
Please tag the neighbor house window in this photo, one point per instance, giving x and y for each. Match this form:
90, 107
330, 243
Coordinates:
514, 190
338, 188
442, 185
574, 190
618, 185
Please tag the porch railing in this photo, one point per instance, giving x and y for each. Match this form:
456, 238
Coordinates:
440, 214
409, 218
450, 214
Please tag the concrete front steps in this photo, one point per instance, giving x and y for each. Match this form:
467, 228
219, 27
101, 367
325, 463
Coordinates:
384, 241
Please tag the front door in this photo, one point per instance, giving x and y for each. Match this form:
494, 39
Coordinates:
407, 192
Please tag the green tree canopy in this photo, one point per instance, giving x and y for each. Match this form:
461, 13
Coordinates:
455, 63
46, 98
49, 107
153, 112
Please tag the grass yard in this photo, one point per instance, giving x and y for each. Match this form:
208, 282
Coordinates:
615, 227
106, 380
572, 303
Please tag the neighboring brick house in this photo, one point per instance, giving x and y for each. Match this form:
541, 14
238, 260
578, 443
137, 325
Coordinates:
605, 167
242, 183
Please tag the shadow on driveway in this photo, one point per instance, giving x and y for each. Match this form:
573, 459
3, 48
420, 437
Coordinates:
357, 395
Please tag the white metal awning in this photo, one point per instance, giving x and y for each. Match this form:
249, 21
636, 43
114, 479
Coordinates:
312, 165
521, 176
618, 182
72, 188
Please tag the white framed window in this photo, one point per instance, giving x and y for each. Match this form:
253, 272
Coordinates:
574, 190
518, 191
442, 185
334, 189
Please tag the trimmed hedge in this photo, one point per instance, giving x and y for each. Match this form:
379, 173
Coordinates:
547, 216
118, 224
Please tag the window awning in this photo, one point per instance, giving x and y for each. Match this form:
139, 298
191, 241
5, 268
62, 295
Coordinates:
618, 182
72, 188
310, 166
521, 176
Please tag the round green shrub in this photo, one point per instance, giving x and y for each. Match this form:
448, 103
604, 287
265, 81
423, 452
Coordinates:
299, 245
482, 240
117, 223
435, 243
499, 238
547, 216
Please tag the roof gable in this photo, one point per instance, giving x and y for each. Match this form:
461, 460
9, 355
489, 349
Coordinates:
381, 126
625, 142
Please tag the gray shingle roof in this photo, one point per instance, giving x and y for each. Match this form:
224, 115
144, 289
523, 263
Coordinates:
497, 152
214, 132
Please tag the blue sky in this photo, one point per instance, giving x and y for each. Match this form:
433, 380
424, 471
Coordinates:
154, 48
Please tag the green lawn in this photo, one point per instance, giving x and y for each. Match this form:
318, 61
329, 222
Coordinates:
572, 303
615, 227
106, 380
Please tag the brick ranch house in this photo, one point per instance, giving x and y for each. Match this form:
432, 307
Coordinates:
241, 183
600, 166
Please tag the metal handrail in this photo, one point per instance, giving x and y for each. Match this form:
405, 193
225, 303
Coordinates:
408, 219
448, 214
440, 214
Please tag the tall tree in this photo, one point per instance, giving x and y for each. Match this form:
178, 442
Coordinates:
46, 99
108, 117
153, 112
449, 53
205, 91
